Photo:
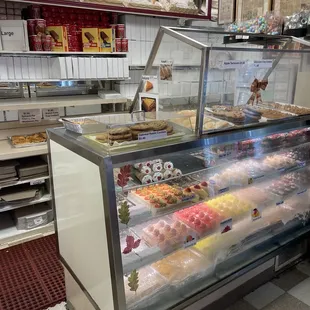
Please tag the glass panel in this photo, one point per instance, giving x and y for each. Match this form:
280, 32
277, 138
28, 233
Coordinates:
252, 86
189, 219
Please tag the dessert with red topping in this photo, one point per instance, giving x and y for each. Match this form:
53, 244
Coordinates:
167, 236
200, 218
197, 189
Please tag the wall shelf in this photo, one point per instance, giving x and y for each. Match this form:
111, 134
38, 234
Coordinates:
10, 235
120, 9
55, 102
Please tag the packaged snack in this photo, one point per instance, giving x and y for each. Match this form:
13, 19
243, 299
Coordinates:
59, 38
90, 39
107, 40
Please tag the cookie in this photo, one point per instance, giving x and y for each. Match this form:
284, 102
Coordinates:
119, 131
158, 125
169, 129
141, 127
120, 137
102, 137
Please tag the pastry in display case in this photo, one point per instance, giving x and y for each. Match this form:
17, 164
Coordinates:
162, 223
178, 234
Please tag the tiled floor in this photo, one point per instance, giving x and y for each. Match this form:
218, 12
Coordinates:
290, 291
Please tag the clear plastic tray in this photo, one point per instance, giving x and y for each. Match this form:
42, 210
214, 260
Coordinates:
151, 285
180, 265
166, 234
202, 219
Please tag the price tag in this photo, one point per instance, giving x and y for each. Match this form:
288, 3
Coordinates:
36, 182
38, 221
233, 64
266, 63
29, 116
256, 214
51, 113
223, 190
226, 226
302, 191
152, 135
189, 240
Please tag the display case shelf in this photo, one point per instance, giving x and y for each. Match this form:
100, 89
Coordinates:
151, 254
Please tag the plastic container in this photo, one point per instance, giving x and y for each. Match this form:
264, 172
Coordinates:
30, 217
200, 218
151, 286
180, 266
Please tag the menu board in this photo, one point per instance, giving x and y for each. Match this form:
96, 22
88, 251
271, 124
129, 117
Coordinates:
226, 11
248, 9
288, 7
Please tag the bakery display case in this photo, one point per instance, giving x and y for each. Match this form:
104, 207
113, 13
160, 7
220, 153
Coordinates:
163, 226
249, 82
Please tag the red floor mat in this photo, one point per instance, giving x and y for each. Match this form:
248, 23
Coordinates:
31, 277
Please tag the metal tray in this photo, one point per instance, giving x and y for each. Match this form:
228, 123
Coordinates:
19, 146
91, 127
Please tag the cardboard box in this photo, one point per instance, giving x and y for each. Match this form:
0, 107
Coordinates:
31, 68
120, 67
104, 67
107, 40
126, 68
75, 67
69, 67
93, 67
17, 68
3, 69
25, 71
38, 68
90, 39
10, 67
88, 73
59, 38
14, 35
110, 68
63, 68
82, 72
46, 70
115, 68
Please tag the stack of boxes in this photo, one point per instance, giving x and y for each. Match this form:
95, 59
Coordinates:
77, 30
11, 10
58, 68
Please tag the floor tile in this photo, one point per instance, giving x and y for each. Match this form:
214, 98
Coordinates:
304, 267
287, 302
264, 295
289, 279
241, 305
302, 291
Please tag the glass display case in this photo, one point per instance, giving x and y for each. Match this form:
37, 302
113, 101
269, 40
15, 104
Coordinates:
223, 203
158, 209
236, 81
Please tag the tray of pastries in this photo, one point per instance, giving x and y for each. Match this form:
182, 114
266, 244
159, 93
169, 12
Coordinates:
295, 109
20, 141
210, 123
128, 135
